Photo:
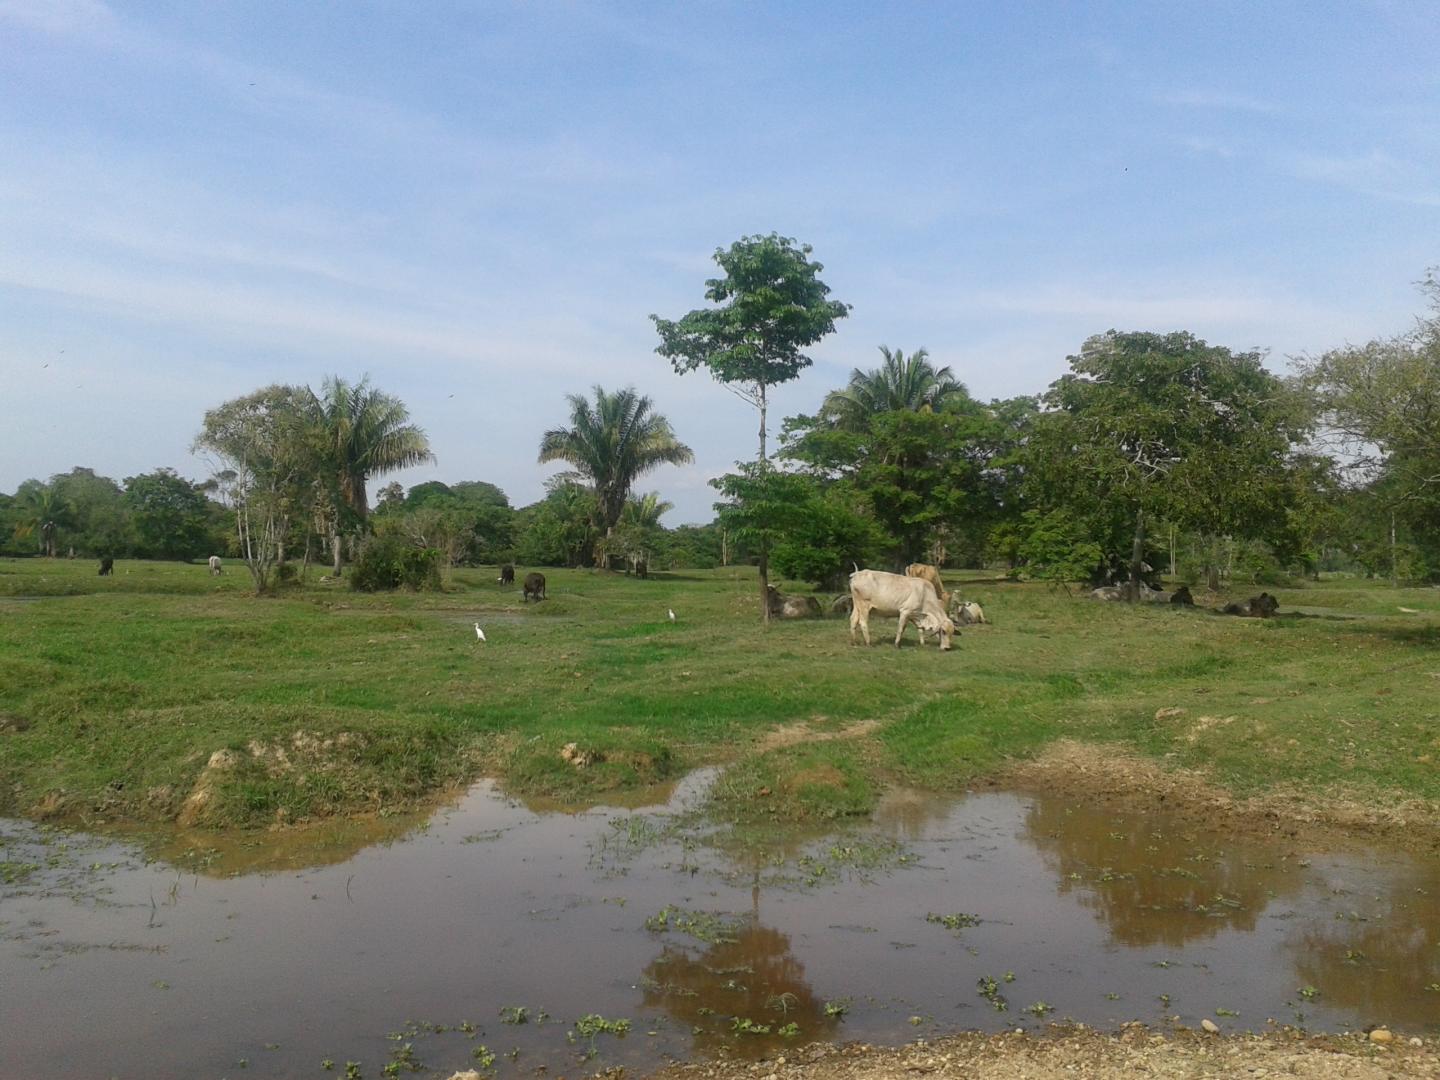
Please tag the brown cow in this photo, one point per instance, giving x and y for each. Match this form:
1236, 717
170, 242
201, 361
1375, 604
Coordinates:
926, 572
535, 586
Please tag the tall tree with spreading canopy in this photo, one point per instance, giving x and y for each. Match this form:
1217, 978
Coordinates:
268, 464
1379, 403
772, 305
1149, 426
610, 443
901, 384
364, 432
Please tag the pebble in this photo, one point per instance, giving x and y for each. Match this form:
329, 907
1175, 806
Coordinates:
1381, 1035
1417, 1041
1210, 1026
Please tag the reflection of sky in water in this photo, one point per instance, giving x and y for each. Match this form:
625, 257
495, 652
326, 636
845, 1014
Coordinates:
144, 970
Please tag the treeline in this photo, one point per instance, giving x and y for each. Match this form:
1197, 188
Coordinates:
1152, 453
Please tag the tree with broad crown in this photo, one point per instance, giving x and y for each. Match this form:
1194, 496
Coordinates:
772, 305
1163, 426
610, 444
1379, 403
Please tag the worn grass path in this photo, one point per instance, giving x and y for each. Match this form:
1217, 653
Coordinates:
115, 693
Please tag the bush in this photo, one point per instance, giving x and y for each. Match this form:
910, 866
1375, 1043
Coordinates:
389, 562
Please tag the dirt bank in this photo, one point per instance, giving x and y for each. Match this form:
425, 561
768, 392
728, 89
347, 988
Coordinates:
1077, 1053
1109, 775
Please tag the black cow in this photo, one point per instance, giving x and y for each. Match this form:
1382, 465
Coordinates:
507, 574
1257, 607
1182, 596
107, 566
535, 586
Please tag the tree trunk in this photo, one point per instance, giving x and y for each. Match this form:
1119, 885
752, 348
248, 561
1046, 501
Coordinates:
1212, 577
1172, 551
335, 550
1137, 558
764, 547
1394, 567
764, 582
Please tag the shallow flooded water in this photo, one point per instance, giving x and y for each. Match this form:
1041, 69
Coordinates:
996, 910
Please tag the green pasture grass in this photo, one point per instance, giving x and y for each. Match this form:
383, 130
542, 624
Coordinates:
115, 692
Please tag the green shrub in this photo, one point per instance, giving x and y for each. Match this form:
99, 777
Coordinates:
389, 562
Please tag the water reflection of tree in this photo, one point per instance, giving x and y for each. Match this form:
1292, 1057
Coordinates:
1151, 880
754, 976
1377, 955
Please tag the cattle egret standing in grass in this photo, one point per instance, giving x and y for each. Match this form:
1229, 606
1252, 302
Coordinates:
672, 613
479, 633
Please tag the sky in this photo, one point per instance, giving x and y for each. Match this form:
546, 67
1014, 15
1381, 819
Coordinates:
481, 204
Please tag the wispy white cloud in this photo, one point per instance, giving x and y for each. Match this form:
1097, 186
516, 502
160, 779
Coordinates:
1219, 99
60, 17
1202, 146
1378, 174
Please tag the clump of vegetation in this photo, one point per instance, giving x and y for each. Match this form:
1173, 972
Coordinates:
593, 1024
711, 928
391, 562
960, 920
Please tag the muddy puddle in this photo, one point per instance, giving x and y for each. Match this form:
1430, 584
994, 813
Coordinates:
499, 937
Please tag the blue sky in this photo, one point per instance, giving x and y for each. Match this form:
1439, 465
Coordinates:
480, 204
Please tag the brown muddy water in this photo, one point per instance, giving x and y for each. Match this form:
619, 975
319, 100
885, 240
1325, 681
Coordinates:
995, 910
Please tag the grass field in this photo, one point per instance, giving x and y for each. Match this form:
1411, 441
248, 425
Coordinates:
116, 693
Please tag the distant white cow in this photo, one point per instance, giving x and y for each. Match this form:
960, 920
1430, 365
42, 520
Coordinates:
911, 599
969, 613
214, 564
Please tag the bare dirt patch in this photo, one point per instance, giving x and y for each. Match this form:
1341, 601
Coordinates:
1331, 818
804, 732
1071, 1053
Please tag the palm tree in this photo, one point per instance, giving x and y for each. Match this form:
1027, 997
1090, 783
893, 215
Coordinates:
902, 384
362, 432
610, 444
645, 511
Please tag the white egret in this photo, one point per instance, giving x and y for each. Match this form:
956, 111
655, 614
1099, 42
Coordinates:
479, 633
672, 613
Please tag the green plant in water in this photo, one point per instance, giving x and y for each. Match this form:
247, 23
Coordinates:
482, 1055
514, 1014
1309, 993
594, 1024
789, 1030
837, 1008
745, 1026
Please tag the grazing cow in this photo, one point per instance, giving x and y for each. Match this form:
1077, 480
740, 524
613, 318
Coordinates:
214, 565
1257, 607
1182, 596
107, 566
507, 574
535, 586
926, 572
912, 599
969, 613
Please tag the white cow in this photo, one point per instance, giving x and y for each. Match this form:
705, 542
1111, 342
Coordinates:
969, 613
912, 599
214, 564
